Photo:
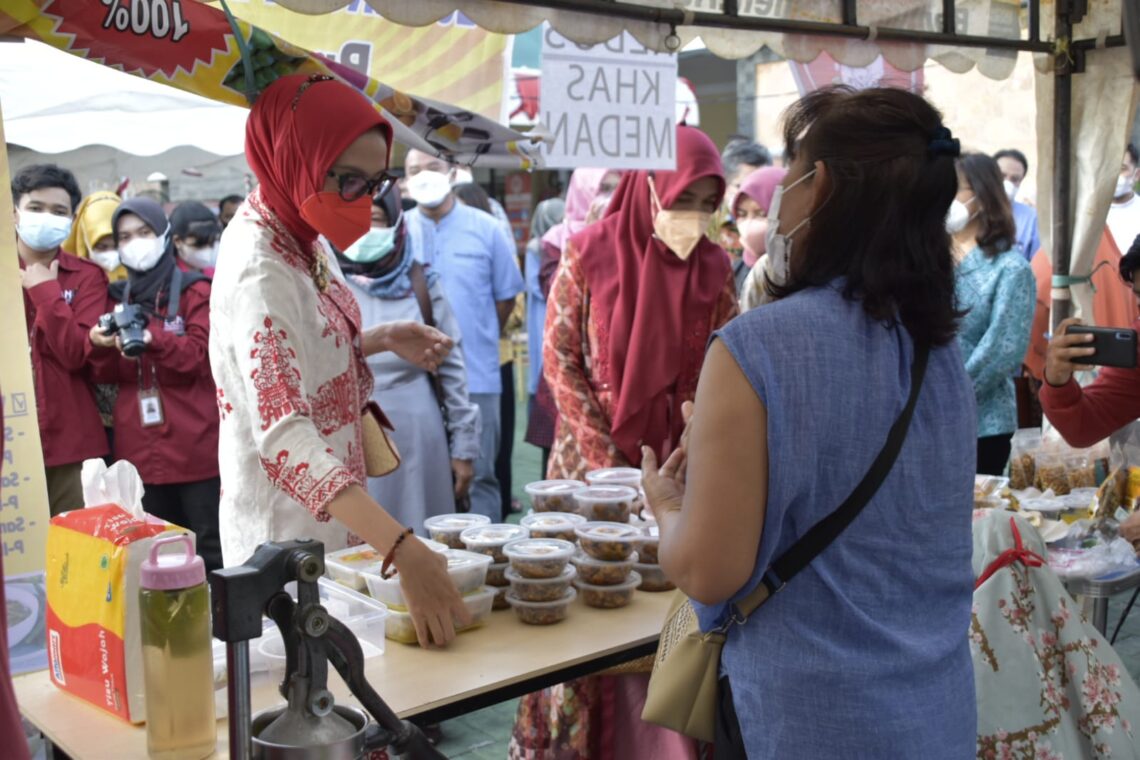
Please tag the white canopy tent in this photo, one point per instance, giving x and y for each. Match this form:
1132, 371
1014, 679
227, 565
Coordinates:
89, 104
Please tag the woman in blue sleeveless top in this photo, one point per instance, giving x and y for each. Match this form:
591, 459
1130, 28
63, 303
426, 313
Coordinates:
865, 653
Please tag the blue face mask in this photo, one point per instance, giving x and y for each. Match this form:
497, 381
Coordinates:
41, 231
377, 243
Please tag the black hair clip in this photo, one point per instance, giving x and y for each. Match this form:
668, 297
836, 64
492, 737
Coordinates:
307, 84
943, 144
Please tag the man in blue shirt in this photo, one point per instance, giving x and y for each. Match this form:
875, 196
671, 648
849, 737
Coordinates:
476, 264
1014, 166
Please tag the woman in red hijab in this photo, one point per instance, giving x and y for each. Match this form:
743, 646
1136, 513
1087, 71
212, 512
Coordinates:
632, 306
287, 350
630, 312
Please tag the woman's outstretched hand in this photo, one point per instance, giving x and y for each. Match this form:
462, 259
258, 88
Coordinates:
414, 342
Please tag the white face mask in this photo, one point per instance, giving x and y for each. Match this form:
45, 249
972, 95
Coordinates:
108, 260
958, 216
777, 244
1123, 187
141, 254
462, 176
429, 189
1010, 190
200, 258
42, 231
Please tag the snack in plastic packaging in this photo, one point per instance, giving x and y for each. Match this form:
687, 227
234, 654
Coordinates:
542, 613
615, 476
609, 597
468, 571
539, 557
401, 628
1052, 475
601, 573
447, 529
1023, 458
344, 566
608, 541
653, 578
500, 602
606, 503
552, 524
553, 495
490, 539
497, 574
1081, 470
648, 543
541, 589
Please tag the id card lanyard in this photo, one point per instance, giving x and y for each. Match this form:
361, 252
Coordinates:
150, 402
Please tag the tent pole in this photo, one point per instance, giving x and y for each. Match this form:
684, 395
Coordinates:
1062, 155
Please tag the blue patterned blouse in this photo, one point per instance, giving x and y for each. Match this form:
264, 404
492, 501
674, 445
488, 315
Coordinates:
999, 294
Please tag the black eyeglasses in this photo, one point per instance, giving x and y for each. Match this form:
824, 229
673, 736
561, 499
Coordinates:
353, 186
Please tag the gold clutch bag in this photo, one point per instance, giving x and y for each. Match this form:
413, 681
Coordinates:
381, 456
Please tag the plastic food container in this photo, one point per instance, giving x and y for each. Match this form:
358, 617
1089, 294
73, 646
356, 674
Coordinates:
500, 602
490, 539
539, 557
553, 495
553, 524
653, 578
609, 597
608, 541
344, 566
542, 613
601, 573
467, 569
363, 615
402, 629
648, 543
615, 476
448, 528
541, 589
607, 503
497, 574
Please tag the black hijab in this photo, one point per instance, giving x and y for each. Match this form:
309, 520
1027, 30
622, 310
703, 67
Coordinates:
151, 289
393, 208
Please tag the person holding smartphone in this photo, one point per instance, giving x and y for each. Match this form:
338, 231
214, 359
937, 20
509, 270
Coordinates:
1087, 415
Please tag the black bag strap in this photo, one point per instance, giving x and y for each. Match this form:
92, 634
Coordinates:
820, 536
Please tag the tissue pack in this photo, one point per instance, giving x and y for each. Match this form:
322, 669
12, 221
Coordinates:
93, 641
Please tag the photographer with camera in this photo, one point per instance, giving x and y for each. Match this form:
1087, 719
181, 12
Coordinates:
153, 344
63, 297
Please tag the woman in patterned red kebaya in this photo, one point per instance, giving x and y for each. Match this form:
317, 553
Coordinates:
287, 348
630, 311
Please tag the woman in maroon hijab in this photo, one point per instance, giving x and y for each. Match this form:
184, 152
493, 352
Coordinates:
630, 312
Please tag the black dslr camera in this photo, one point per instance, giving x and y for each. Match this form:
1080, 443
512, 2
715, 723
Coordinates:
129, 322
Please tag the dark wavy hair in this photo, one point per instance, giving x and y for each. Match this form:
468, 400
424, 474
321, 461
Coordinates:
996, 231
40, 176
882, 228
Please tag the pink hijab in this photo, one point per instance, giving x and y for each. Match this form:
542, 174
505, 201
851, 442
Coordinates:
760, 186
584, 187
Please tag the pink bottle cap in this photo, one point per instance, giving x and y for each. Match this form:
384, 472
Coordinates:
167, 572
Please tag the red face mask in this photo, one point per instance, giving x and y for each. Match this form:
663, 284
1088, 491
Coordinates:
342, 222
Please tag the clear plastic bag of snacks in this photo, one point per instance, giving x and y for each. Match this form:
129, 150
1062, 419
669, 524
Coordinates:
1080, 468
1023, 458
1052, 474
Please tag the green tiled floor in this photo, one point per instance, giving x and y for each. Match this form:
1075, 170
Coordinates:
482, 735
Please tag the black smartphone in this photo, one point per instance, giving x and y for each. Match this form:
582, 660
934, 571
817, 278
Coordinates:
1115, 346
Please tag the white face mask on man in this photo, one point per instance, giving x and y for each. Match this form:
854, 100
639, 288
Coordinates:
779, 245
429, 189
1124, 186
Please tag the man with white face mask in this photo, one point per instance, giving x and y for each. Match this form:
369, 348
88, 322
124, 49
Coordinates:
1124, 213
63, 298
480, 275
1014, 168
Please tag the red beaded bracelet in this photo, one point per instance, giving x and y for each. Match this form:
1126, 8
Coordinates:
384, 569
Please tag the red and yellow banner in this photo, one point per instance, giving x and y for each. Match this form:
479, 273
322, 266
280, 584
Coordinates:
452, 60
196, 47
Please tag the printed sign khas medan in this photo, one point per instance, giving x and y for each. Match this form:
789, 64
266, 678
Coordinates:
196, 48
611, 105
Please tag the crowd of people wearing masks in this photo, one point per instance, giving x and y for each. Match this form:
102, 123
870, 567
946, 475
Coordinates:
717, 325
